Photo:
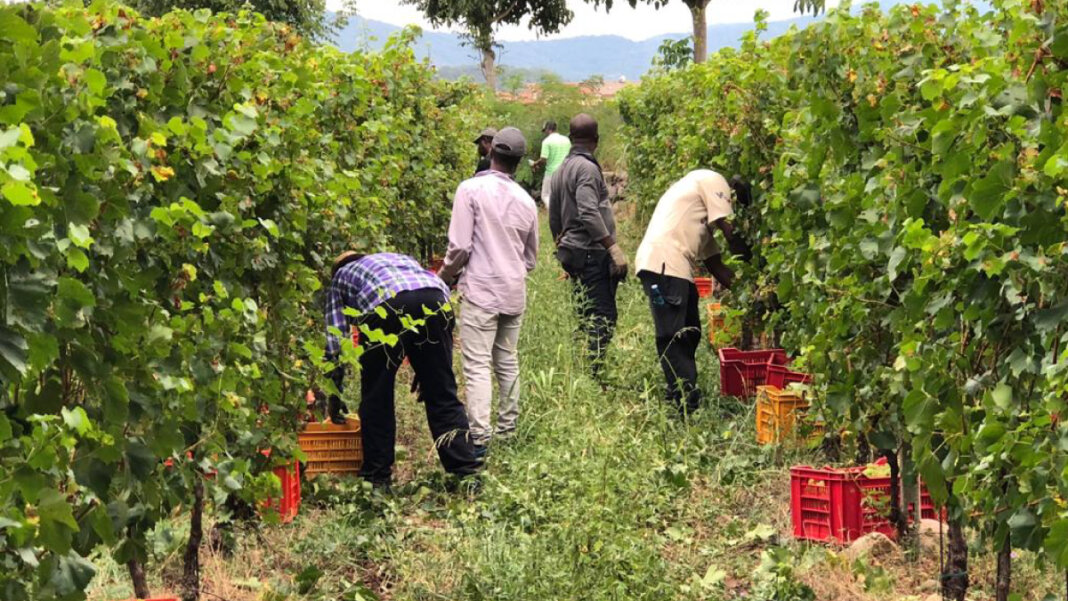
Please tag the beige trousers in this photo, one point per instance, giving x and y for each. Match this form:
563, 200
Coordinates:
489, 346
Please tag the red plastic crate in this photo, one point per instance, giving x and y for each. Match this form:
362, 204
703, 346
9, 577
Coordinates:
704, 287
840, 505
780, 376
289, 504
740, 372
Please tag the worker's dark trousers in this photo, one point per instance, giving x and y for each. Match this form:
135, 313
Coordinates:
594, 289
677, 323
429, 350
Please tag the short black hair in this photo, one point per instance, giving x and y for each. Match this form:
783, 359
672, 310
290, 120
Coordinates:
511, 162
508, 161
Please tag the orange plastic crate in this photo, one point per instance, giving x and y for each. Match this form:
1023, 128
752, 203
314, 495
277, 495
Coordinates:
288, 505
705, 286
777, 412
332, 448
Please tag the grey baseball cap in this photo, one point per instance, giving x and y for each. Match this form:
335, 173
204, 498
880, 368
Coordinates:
489, 132
510, 142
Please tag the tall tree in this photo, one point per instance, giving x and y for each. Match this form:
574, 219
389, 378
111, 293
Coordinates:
481, 18
699, 13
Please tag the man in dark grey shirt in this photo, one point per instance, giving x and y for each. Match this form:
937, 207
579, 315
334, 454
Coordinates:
584, 229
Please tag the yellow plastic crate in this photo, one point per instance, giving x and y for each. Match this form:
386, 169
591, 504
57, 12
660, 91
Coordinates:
777, 412
332, 448
717, 327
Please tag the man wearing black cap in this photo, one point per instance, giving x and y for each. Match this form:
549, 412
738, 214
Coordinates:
493, 244
554, 149
484, 142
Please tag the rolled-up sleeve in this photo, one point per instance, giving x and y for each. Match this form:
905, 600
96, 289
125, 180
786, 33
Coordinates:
335, 318
461, 236
588, 200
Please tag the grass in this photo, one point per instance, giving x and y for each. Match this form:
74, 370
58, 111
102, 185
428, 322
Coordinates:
602, 495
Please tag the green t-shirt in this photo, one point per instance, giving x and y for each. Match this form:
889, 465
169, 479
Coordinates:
554, 150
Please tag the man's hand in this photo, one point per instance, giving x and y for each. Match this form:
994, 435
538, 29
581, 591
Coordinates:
619, 261
739, 248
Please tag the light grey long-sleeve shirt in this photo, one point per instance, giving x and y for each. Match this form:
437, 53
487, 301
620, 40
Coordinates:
493, 238
581, 214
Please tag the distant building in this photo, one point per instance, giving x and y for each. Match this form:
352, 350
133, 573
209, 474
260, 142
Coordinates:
531, 92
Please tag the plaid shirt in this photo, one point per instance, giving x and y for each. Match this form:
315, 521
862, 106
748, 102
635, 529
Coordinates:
368, 282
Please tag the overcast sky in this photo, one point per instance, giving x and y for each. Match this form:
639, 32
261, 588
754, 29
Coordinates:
637, 24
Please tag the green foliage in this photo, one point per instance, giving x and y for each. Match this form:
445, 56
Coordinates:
775, 579
308, 17
173, 192
910, 222
674, 54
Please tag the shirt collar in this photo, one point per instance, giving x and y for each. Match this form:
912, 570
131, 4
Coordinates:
492, 171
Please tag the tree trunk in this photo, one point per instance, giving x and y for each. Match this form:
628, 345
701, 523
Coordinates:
955, 578
489, 67
1004, 581
897, 514
191, 575
699, 11
137, 576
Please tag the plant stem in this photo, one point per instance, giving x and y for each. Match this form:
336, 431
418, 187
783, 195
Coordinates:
1004, 578
191, 574
137, 577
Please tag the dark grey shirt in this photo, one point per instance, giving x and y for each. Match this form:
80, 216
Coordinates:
581, 214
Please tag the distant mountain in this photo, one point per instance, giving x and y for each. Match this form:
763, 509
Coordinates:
573, 59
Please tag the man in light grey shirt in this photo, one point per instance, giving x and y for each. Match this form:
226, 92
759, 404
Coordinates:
584, 229
493, 238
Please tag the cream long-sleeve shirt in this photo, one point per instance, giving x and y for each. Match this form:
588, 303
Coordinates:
493, 239
678, 235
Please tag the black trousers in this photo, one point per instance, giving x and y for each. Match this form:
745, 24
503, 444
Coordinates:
429, 350
594, 288
677, 323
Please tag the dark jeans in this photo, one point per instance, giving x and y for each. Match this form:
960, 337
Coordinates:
429, 350
594, 289
677, 323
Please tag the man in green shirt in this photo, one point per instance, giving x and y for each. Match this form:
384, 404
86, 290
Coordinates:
554, 149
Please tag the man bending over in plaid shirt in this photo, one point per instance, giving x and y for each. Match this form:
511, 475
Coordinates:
404, 289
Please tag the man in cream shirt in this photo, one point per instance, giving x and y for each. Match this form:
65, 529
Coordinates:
679, 235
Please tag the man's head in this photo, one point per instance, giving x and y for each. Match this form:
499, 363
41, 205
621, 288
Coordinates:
743, 191
485, 141
344, 259
584, 131
549, 127
509, 146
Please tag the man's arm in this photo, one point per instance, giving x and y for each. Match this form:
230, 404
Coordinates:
721, 272
335, 318
530, 248
461, 235
556, 220
543, 159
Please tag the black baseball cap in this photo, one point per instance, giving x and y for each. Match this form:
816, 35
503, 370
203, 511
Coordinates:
489, 132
